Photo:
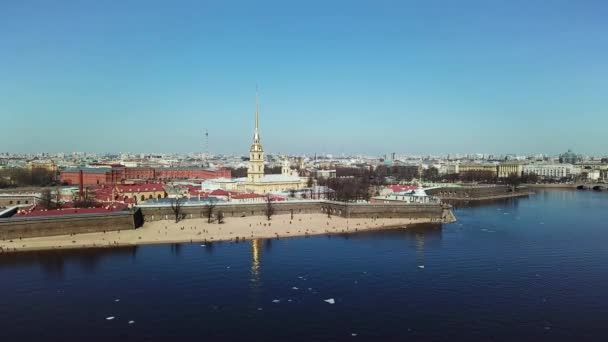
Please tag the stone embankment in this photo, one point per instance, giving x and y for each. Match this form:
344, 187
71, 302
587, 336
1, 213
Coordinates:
478, 193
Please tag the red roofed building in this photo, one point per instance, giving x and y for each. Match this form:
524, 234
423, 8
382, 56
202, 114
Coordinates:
114, 174
141, 192
247, 198
221, 194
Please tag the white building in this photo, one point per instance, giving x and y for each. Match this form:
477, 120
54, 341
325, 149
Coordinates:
550, 170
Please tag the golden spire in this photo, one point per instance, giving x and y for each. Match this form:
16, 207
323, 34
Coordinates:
256, 107
256, 135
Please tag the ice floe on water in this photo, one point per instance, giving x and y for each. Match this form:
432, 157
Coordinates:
330, 301
116, 300
109, 318
421, 266
276, 300
131, 322
294, 288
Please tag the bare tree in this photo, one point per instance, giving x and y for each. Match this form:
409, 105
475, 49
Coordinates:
208, 209
310, 182
84, 201
46, 199
269, 211
58, 201
176, 207
513, 180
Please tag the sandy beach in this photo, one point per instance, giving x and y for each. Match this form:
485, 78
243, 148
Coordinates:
198, 230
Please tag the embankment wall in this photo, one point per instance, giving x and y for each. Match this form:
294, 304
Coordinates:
478, 193
27, 227
434, 212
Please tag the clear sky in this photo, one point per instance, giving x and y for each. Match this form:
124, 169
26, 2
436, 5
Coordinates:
334, 76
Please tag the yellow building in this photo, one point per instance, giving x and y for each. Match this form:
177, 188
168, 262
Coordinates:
507, 169
44, 165
478, 167
257, 181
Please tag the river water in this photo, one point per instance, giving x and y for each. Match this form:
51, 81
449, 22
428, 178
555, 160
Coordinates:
528, 269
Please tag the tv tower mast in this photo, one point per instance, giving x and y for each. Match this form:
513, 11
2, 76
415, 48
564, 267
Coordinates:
205, 154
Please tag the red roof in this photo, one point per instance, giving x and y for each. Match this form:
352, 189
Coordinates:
246, 196
401, 188
219, 192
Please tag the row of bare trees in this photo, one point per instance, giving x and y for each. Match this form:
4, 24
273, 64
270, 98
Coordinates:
348, 189
209, 209
17, 176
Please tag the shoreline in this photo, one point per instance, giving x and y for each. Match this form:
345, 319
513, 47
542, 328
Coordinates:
197, 230
487, 198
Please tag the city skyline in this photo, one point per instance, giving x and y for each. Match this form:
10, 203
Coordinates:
415, 78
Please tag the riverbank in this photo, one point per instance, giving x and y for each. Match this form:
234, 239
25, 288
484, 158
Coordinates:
551, 186
478, 193
198, 230
489, 198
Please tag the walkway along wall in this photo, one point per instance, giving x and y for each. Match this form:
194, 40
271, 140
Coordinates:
26, 227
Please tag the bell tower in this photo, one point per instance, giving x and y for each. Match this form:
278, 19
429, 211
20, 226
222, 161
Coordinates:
255, 172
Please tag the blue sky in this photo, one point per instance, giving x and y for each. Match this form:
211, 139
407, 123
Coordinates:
334, 76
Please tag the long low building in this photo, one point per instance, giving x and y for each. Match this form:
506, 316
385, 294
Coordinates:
556, 171
117, 173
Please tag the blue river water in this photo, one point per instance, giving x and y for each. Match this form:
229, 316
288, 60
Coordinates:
523, 269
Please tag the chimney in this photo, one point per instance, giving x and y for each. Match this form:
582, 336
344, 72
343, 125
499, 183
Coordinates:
81, 181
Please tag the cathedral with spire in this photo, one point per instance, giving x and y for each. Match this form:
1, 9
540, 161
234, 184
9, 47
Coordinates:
257, 181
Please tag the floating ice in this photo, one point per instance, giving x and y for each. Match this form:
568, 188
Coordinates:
109, 318
276, 300
289, 300
117, 300
203, 245
131, 322
353, 334
421, 266
295, 288
260, 309
330, 301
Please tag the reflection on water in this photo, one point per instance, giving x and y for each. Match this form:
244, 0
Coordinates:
52, 262
255, 259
